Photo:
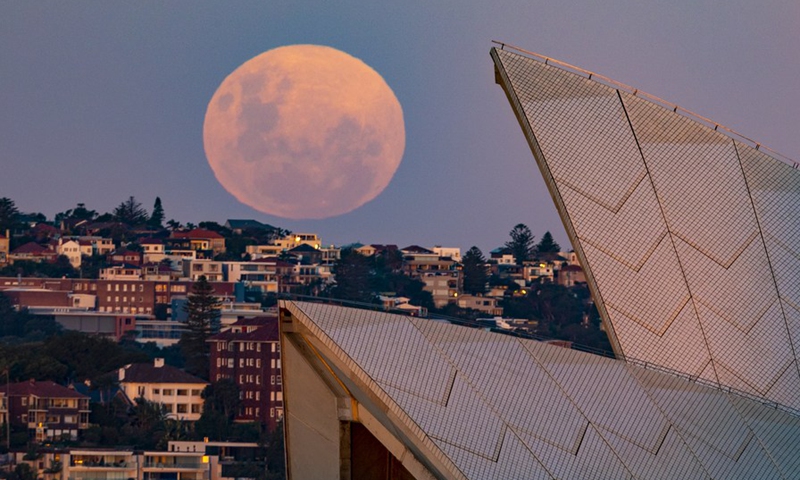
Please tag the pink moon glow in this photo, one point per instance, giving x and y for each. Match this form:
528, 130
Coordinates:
304, 131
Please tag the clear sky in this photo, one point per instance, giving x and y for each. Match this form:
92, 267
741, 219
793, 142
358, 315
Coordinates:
103, 100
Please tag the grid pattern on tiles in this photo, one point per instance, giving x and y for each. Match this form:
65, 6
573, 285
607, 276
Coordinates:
689, 237
518, 408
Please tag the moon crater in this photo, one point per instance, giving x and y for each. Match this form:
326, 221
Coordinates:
304, 131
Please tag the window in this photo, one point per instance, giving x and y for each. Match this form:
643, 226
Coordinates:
168, 408
272, 362
182, 408
156, 391
196, 392
272, 380
196, 408
183, 392
168, 391
280, 396
125, 288
279, 380
241, 362
141, 390
258, 395
258, 347
258, 363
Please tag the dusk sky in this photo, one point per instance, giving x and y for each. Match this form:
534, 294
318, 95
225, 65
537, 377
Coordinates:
103, 100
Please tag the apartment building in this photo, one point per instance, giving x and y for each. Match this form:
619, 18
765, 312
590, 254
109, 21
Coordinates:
249, 354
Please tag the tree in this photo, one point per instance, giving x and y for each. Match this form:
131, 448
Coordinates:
9, 215
352, 272
156, 219
521, 243
131, 212
174, 225
220, 404
474, 270
547, 244
202, 308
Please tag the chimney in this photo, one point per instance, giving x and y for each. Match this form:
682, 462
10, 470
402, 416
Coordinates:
158, 362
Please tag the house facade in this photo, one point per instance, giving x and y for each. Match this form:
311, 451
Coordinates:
49, 411
179, 392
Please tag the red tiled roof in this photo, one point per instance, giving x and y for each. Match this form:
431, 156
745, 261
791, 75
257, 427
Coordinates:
150, 241
149, 373
32, 248
268, 332
261, 320
42, 389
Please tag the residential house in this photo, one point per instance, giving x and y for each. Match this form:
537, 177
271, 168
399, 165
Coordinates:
100, 464
33, 252
486, 305
249, 354
261, 274
238, 226
502, 256
453, 253
153, 250
296, 239
124, 255
179, 392
125, 271
211, 269
444, 285
72, 250
49, 411
202, 240
570, 275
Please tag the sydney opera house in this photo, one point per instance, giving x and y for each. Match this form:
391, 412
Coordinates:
690, 239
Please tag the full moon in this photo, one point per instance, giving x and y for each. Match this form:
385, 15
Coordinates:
304, 131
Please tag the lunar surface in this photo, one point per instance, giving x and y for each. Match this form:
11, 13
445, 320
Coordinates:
304, 131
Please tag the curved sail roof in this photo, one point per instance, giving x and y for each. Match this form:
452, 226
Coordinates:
690, 237
457, 402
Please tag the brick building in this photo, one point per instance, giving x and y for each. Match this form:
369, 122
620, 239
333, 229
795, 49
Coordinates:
48, 410
249, 354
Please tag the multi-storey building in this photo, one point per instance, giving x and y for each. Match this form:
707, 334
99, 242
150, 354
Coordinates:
49, 411
486, 305
202, 240
249, 354
179, 392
